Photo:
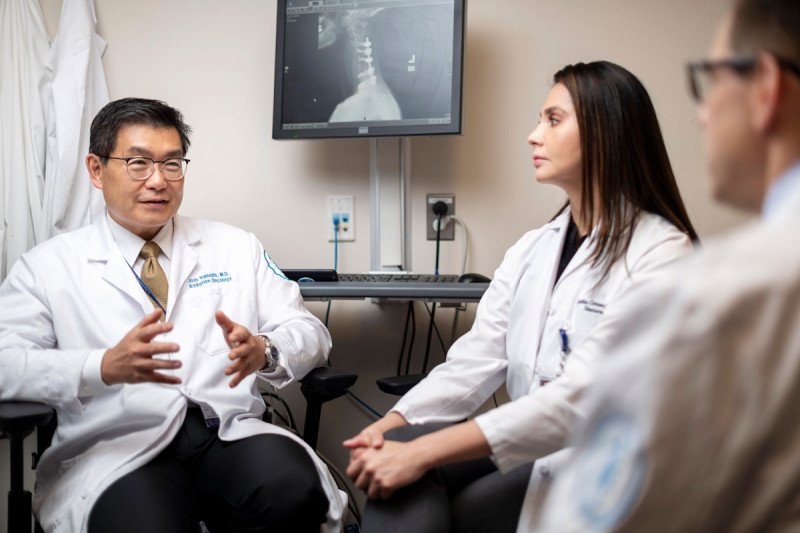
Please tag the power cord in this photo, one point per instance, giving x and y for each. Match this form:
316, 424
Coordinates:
440, 210
460, 223
438, 334
290, 422
405, 337
336, 221
413, 336
365, 406
460, 308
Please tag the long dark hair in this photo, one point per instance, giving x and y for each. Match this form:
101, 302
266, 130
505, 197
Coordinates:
625, 161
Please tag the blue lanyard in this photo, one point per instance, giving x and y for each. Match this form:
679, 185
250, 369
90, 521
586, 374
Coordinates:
146, 289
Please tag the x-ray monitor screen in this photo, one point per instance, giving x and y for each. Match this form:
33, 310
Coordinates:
367, 68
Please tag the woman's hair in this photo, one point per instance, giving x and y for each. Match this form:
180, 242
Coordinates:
625, 163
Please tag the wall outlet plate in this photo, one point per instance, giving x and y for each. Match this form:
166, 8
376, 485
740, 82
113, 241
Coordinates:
343, 208
449, 229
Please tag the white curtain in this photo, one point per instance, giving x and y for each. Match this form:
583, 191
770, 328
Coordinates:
24, 50
77, 92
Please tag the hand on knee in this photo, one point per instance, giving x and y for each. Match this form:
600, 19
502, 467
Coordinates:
380, 472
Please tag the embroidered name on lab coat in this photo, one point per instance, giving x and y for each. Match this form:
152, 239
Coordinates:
592, 306
211, 277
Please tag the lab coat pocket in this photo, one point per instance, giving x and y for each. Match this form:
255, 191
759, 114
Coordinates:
202, 304
211, 340
214, 347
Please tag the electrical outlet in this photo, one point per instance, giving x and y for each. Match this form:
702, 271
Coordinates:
342, 210
449, 228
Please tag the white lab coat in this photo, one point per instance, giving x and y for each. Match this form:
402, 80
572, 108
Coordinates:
693, 427
24, 47
515, 338
75, 295
77, 91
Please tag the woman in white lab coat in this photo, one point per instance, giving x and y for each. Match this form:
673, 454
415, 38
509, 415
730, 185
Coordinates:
599, 140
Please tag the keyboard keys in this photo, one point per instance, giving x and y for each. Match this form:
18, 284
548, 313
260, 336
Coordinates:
399, 278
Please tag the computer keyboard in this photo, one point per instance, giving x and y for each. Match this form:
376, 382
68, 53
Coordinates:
407, 278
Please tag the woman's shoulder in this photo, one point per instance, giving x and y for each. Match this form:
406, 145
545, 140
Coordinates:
652, 225
654, 231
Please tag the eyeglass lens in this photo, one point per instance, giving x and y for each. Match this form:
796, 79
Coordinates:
142, 168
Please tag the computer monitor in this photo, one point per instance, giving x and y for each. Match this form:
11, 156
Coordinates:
368, 68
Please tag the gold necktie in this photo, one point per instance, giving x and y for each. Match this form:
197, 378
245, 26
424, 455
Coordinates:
153, 275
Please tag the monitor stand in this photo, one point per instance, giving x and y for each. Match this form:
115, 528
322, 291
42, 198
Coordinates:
390, 209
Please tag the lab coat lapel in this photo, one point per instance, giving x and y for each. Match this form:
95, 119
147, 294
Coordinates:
184, 258
551, 251
117, 272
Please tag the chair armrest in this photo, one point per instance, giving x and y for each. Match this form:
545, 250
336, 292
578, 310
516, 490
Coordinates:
329, 379
21, 418
399, 385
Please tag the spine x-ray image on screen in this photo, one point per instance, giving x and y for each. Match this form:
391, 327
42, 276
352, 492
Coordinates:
367, 63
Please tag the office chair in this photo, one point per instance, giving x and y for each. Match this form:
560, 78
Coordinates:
19, 419
321, 385
401, 383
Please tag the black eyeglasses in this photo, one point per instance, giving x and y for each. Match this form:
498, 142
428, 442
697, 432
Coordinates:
141, 168
700, 72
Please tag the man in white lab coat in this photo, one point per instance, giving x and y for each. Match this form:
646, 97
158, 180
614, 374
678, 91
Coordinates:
695, 426
146, 332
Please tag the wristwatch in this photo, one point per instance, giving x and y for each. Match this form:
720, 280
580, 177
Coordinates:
271, 354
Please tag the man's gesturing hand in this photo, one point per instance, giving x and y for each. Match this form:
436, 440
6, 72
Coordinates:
247, 350
131, 361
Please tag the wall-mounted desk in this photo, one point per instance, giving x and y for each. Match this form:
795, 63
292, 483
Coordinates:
393, 290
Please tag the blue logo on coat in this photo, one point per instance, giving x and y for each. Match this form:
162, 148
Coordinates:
610, 472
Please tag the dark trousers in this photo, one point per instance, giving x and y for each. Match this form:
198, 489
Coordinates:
265, 482
472, 496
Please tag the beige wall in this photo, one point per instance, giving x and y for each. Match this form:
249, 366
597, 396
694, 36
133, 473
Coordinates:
214, 60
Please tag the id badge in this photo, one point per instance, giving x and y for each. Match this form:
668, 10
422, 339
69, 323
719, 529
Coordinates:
211, 417
546, 377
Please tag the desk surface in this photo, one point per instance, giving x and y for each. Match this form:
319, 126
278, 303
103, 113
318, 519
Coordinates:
393, 290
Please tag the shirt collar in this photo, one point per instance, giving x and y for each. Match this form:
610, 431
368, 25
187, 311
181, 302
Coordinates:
131, 244
781, 192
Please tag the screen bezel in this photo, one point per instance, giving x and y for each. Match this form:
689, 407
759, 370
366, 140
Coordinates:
454, 128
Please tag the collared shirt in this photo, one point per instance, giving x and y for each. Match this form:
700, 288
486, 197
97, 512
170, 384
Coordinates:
780, 192
130, 245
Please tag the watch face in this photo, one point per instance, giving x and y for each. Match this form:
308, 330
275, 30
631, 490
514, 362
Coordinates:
271, 354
